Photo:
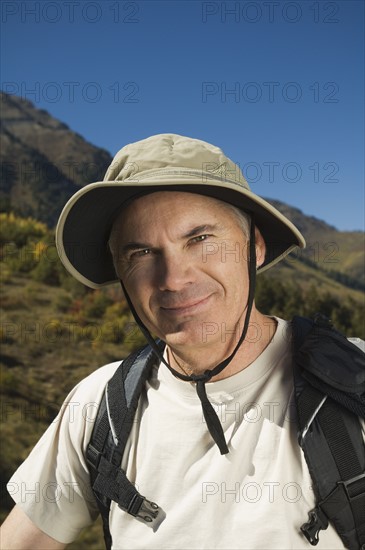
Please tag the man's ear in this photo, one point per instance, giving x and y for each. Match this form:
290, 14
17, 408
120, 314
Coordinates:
260, 248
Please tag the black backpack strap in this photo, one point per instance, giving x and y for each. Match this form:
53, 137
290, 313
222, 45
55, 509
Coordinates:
108, 440
95, 448
330, 436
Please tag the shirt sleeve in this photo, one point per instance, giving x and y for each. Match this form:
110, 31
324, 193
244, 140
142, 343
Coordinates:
52, 486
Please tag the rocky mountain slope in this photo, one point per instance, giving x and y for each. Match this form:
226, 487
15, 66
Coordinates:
43, 162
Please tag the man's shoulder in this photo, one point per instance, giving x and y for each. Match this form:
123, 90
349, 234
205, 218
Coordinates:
287, 327
102, 373
92, 386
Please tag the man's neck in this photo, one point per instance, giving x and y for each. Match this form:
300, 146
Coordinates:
190, 361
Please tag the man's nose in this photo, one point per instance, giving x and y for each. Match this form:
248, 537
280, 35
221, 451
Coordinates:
174, 272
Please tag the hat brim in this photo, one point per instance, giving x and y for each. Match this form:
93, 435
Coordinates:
85, 223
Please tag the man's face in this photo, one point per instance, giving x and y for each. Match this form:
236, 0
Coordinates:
183, 260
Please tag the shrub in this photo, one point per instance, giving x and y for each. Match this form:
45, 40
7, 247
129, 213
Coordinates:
46, 269
5, 273
69, 283
63, 302
20, 231
116, 310
95, 304
112, 331
20, 260
133, 337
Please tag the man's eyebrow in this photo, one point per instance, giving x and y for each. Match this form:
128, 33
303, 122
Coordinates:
199, 229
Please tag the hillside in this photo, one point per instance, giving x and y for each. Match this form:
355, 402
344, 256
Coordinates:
42, 161
328, 248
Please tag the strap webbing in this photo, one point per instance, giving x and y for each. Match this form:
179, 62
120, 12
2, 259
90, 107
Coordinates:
345, 504
347, 462
333, 445
104, 453
114, 484
307, 403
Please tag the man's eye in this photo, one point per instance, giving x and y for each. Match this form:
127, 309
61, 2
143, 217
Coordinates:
200, 238
141, 253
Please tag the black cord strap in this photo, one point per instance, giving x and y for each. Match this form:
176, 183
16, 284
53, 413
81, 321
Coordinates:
211, 418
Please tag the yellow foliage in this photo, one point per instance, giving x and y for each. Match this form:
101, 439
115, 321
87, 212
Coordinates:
10, 219
39, 249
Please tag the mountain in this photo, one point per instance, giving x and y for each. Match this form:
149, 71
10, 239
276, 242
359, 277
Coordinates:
43, 163
328, 249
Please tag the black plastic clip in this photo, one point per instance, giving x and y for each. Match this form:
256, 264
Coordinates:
317, 522
93, 456
148, 511
144, 510
352, 488
321, 320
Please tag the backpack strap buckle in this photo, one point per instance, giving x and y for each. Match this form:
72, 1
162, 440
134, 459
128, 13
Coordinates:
317, 522
93, 456
354, 491
144, 510
149, 511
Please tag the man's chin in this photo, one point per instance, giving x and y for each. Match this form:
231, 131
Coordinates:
189, 335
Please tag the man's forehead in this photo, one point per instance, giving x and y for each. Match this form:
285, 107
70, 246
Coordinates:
160, 206
178, 198
179, 211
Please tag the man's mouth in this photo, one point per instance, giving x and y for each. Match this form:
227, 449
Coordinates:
187, 307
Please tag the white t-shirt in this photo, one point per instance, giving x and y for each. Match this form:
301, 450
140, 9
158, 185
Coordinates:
255, 497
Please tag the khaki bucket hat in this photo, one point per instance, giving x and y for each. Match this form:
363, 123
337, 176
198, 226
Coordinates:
160, 163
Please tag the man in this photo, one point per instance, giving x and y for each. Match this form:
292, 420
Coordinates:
214, 440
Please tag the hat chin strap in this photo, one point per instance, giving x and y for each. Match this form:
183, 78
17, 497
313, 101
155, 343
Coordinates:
211, 417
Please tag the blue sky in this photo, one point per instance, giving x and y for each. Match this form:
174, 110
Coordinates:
277, 85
